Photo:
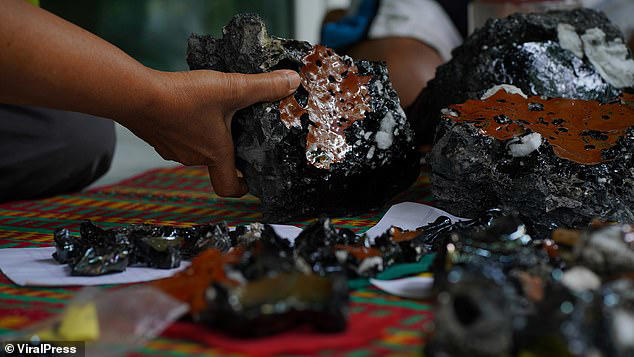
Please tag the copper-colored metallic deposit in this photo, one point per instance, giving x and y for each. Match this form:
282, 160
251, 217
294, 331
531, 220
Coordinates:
578, 130
337, 97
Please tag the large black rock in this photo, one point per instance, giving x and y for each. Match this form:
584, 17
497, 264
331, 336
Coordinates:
341, 144
557, 163
523, 50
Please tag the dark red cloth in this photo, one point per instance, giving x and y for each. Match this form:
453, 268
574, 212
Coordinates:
363, 328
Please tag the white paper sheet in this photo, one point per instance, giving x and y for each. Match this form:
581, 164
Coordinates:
408, 215
417, 287
36, 267
288, 232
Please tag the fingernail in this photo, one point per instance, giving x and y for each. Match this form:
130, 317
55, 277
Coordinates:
293, 80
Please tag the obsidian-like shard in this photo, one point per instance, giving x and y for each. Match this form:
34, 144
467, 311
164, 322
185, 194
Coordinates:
159, 252
296, 298
99, 260
278, 301
65, 246
581, 321
340, 144
502, 293
100, 251
326, 250
261, 287
202, 237
488, 276
316, 245
97, 252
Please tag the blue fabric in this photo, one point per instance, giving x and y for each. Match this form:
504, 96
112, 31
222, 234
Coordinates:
351, 28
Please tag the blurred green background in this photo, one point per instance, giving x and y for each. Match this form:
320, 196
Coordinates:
155, 32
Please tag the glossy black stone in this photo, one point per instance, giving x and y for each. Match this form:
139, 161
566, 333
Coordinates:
271, 291
306, 282
273, 157
476, 275
500, 294
325, 249
100, 251
97, 252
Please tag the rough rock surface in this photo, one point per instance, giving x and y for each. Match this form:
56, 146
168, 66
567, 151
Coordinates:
538, 53
339, 145
557, 162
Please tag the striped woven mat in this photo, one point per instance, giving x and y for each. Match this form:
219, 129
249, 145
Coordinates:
180, 196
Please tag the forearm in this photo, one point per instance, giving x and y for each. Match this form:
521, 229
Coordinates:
47, 61
411, 63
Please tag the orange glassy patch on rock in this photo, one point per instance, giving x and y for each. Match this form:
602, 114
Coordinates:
359, 252
337, 97
190, 285
578, 130
400, 235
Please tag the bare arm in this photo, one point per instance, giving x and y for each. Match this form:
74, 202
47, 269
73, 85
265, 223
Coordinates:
47, 61
411, 63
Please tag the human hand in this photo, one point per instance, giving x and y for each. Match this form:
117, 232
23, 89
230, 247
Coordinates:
190, 122
49, 62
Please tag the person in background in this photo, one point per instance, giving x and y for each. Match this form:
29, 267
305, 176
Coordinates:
53, 71
416, 36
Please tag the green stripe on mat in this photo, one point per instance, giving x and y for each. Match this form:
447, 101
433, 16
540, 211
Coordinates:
25, 229
56, 290
400, 348
27, 306
4, 331
399, 303
32, 298
44, 244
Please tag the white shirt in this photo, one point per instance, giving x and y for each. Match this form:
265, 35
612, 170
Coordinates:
426, 20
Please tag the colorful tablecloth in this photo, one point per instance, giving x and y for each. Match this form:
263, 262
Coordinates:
181, 196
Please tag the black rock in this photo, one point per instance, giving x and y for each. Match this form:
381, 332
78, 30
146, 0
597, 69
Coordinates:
99, 260
341, 144
499, 294
481, 272
96, 252
159, 252
271, 291
278, 302
523, 50
100, 251
549, 166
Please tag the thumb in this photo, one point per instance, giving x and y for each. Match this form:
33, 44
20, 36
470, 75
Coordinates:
263, 87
